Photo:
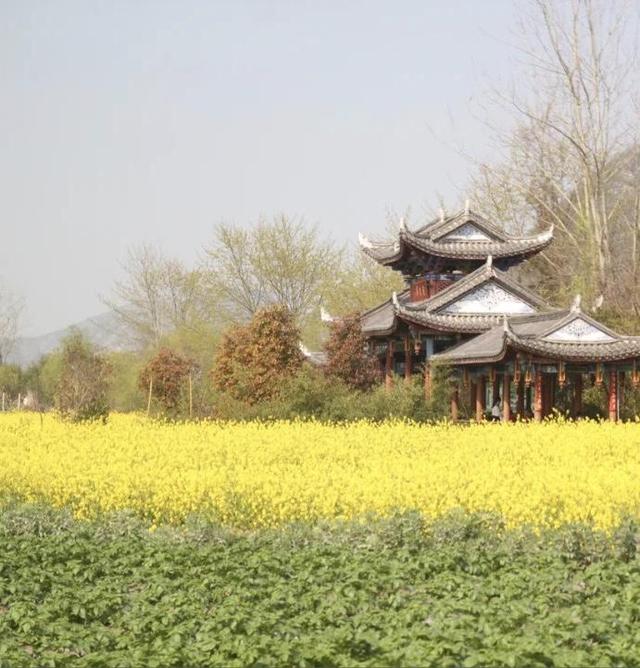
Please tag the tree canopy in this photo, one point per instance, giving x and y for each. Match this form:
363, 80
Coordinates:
253, 360
347, 355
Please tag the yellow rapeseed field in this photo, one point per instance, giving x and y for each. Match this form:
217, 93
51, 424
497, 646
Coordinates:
257, 475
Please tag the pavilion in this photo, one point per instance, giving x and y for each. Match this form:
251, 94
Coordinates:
461, 307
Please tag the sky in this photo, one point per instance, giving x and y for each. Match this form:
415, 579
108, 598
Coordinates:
134, 122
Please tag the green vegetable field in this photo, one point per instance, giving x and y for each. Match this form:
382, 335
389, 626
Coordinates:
461, 592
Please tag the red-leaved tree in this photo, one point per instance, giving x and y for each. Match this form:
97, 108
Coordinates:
253, 360
347, 355
165, 375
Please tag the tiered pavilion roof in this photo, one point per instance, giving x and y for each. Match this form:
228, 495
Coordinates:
458, 287
464, 237
471, 304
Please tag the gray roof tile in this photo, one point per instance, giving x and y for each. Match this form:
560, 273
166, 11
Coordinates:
429, 240
382, 319
525, 334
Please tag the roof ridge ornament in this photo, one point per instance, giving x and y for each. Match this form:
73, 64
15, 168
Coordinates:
364, 242
442, 214
547, 234
403, 225
505, 324
575, 306
394, 300
597, 304
325, 316
489, 263
303, 349
466, 207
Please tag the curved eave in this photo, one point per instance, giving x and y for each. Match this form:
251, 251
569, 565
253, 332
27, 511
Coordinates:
373, 333
610, 351
464, 324
478, 250
384, 253
381, 320
615, 351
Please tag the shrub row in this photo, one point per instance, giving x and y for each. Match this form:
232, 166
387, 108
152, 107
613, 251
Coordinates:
310, 393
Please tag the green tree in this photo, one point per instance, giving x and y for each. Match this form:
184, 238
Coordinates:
82, 389
11, 380
360, 284
277, 261
442, 385
42, 378
124, 393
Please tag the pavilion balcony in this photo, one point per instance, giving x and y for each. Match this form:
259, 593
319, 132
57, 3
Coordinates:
428, 285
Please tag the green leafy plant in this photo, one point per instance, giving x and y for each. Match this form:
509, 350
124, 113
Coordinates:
464, 591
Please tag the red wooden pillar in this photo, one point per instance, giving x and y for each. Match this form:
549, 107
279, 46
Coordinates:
506, 396
577, 395
480, 394
537, 396
613, 396
454, 404
408, 360
388, 367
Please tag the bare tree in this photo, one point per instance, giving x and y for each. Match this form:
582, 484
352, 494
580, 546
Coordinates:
11, 309
157, 296
565, 162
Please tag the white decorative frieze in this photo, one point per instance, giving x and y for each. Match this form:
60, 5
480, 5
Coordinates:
489, 298
466, 232
579, 330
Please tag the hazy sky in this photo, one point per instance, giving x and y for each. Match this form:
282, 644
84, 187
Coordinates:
126, 122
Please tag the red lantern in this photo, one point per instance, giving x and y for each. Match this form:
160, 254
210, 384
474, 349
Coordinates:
599, 374
528, 377
562, 374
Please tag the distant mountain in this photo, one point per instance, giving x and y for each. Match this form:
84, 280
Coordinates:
103, 330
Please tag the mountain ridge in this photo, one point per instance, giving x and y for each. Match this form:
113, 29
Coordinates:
103, 330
